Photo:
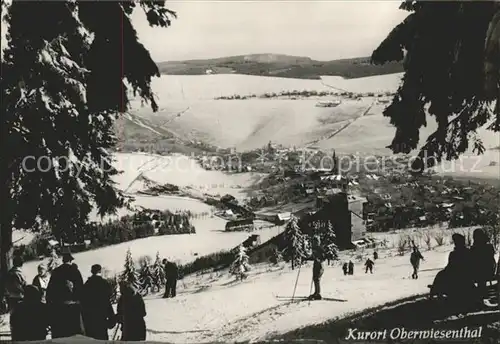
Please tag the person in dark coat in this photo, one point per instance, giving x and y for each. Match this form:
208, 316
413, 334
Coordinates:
29, 319
369, 266
63, 297
131, 312
15, 283
171, 276
483, 261
375, 255
351, 268
317, 274
345, 268
98, 313
415, 259
41, 281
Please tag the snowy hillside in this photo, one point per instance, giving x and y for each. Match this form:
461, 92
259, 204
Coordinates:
213, 307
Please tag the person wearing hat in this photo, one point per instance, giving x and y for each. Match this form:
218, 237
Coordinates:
63, 298
15, 283
98, 313
42, 281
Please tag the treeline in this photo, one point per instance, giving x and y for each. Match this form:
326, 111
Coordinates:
143, 224
302, 94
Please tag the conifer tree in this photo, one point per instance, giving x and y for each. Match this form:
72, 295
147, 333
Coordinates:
296, 243
240, 266
59, 60
451, 56
158, 273
129, 274
329, 243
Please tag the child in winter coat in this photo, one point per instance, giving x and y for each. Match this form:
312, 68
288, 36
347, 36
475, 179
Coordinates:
41, 281
345, 268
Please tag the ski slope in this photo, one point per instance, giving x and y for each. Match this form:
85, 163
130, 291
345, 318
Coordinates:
214, 307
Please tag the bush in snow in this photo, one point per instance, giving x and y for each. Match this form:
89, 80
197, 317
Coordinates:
428, 240
439, 237
240, 266
494, 235
296, 243
402, 244
276, 256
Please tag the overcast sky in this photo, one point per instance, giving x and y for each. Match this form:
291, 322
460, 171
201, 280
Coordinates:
322, 30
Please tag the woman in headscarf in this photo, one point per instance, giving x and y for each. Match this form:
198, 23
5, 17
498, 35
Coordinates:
131, 312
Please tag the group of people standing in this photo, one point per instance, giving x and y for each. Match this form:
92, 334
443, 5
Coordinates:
62, 302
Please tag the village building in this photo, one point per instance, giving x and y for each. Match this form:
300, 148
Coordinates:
240, 225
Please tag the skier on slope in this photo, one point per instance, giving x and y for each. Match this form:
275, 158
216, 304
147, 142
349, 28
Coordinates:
318, 255
350, 268
415, 259
369, 266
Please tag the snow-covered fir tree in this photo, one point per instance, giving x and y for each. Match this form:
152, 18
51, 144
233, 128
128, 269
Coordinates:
59, 59
130, 274
240, 266
329, 242
296, 243
146, 277
158, 273
54, 261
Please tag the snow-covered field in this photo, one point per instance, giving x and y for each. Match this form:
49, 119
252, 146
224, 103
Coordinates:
251, 124
208, 87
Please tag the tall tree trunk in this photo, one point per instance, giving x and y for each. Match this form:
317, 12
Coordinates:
6, 249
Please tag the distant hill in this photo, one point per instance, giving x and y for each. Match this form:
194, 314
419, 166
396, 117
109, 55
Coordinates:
277, 65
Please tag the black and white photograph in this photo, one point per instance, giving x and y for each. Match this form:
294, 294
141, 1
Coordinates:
242, 171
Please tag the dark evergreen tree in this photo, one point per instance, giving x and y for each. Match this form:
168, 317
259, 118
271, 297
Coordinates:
64, 64
449, 74
329, 242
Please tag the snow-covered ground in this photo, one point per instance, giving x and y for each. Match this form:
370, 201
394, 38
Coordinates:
214, 307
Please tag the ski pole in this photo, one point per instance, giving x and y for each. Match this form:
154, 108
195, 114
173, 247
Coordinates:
296, 281
310, 291
115, 334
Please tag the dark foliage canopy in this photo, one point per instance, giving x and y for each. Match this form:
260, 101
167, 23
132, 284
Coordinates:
451, 56
66, 75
